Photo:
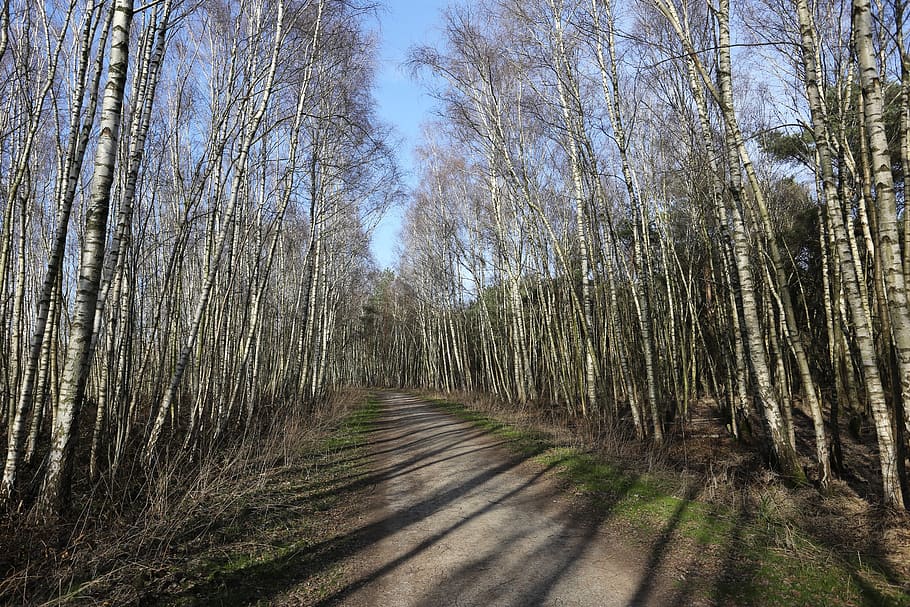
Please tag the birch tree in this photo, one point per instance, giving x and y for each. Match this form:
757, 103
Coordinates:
55, 488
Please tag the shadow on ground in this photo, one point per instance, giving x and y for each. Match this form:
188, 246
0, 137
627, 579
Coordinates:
311, 524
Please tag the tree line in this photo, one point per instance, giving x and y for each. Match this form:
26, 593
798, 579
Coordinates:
627, 211
187, 192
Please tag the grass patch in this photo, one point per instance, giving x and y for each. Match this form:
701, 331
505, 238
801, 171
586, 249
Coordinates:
524, 441
741, 558
288, 538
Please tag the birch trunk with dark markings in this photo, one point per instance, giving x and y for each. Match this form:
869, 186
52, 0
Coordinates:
57, 477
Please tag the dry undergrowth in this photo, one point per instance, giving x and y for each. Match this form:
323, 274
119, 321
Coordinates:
843, 523
117, 551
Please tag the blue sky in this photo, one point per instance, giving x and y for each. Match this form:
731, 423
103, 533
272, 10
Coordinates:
402, 102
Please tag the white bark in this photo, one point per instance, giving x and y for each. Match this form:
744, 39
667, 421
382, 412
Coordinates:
54, 491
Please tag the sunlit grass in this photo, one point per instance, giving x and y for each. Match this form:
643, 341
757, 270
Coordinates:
770, 563
257, 551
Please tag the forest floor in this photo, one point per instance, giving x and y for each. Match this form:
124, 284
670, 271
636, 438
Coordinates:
414, 501
259, 517
423, 502
459, 519
411, 505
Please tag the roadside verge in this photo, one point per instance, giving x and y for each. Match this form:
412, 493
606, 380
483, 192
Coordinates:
715, 553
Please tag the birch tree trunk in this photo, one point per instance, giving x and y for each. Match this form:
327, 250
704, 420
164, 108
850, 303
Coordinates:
889, 245
57, 478
164, 407
832, 203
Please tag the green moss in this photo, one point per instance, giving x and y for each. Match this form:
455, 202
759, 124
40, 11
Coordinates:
755, 569
292, 542
523, 441
781, 578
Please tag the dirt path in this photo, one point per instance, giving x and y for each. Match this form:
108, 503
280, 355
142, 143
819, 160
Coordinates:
457, 520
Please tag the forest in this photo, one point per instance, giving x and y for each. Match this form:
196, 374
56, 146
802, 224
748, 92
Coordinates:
634, 218
648, 216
